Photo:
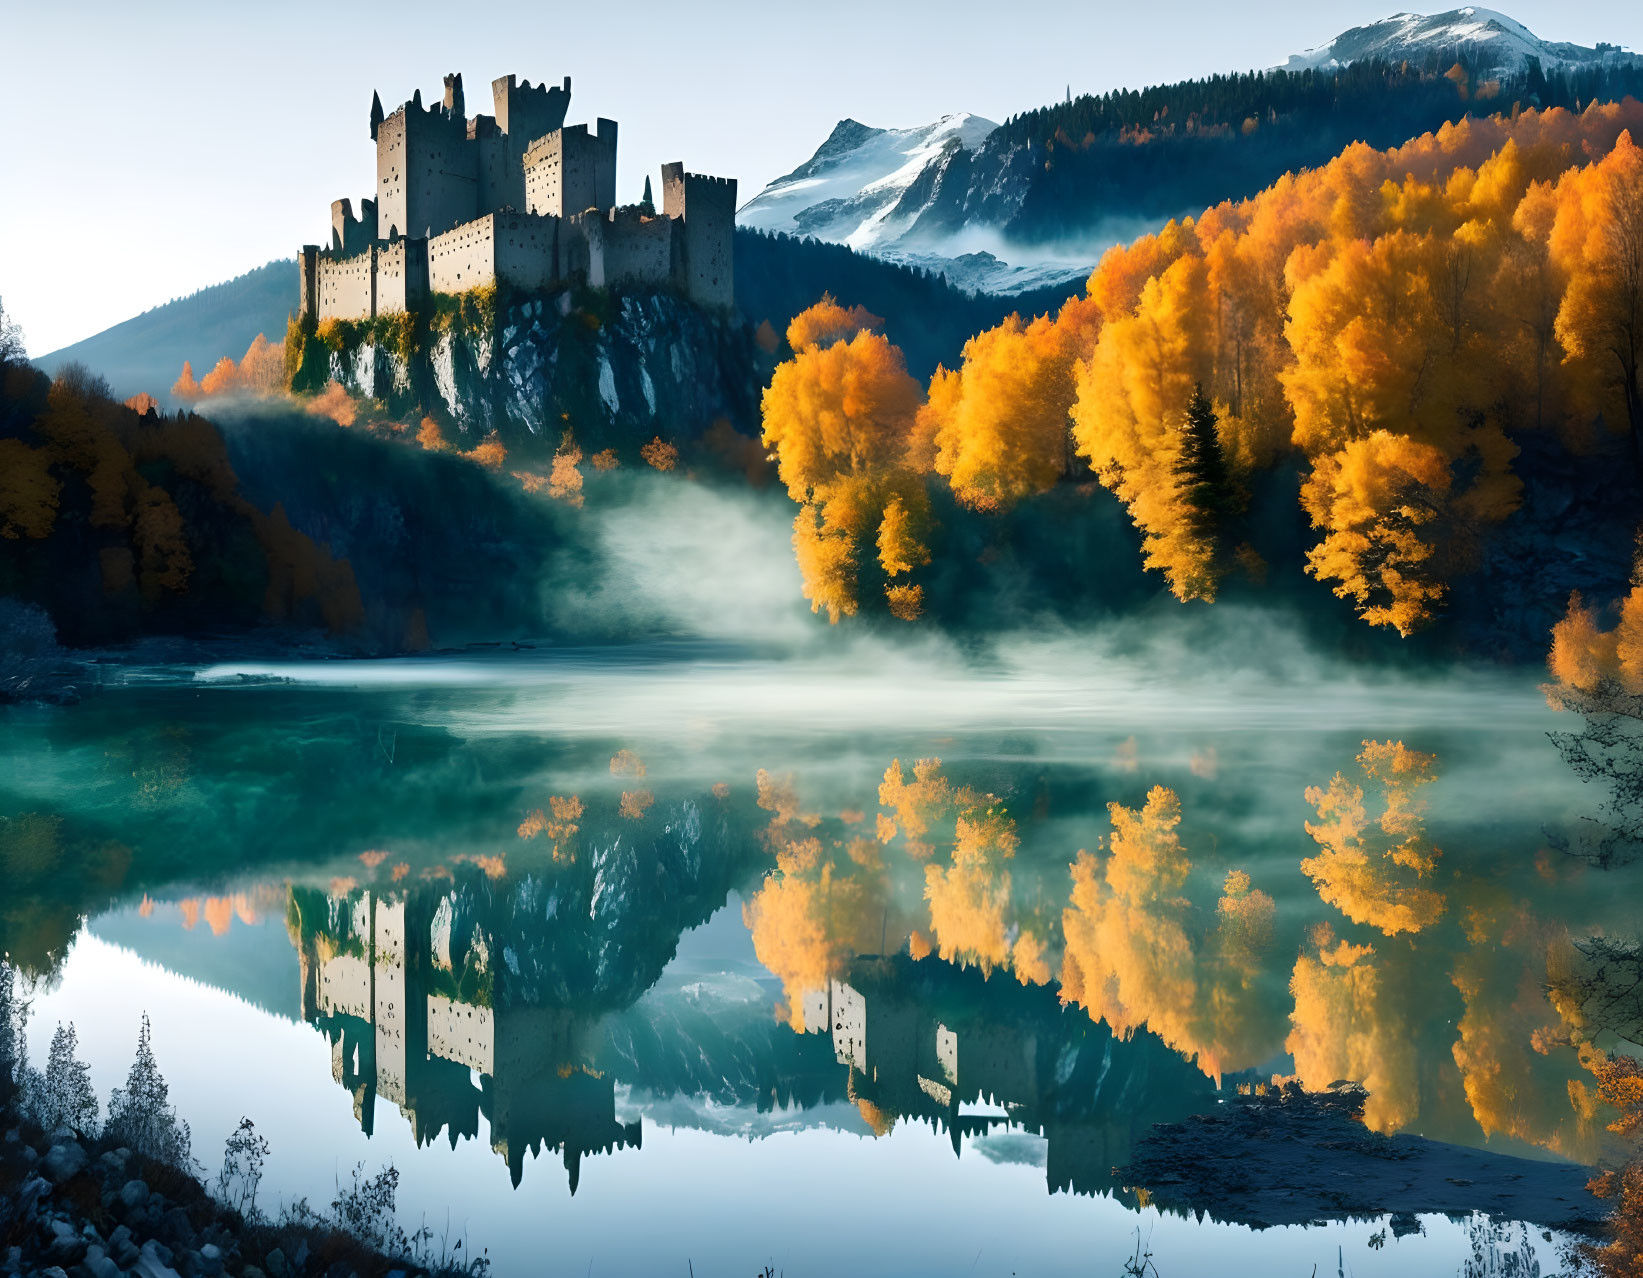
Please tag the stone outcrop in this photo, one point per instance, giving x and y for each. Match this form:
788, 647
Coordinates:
71, 1205
629, 367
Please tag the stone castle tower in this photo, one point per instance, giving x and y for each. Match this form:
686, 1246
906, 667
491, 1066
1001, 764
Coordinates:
514, 198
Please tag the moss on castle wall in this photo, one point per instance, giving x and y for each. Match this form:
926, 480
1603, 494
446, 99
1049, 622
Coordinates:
473, 311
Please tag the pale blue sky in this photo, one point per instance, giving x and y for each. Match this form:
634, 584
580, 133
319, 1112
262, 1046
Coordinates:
157, 148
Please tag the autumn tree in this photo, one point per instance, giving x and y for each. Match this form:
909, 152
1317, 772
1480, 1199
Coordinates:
29, 493
827, 322
1598, 240
1619, 1254
1598, 675
1137, 956
999, 423
1376, 867
185, 387
565, 481
1350, 1021
221, 379
432, 436
1394, 316
838, 417
1132, 394
489, 452
838, 414
659, 454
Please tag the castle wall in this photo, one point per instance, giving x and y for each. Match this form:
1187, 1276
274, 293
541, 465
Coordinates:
638, 249
707, 208
518, 249
402, 275
527, 247
345, 287
462, 1032
582, 249
391, 171
517, 199
345, 986
389, 1000
463, 258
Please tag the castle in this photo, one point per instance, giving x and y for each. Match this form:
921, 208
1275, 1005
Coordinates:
517, 199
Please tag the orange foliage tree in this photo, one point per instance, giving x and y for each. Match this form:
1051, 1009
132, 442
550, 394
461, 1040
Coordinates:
260, 371
1375, 870
998, 426
1135, 957
1394, 317
838, 417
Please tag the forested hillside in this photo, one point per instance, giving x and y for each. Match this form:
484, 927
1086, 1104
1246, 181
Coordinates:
144, 352
1437, 344
1060, 171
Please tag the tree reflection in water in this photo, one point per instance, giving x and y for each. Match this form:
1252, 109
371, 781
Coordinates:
1070, 950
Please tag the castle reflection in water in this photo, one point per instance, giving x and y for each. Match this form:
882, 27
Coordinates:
430, 1005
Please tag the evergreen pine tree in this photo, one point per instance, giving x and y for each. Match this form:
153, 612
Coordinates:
138, 1114
9, 1035
65, 1098
1201, 471
648, 204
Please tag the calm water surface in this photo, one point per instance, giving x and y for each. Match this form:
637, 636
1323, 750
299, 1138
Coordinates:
651, 962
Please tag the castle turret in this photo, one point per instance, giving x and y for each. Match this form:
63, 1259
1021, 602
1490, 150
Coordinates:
571, 171
350, 234
427, 173
453, 95
706, 210
308, 263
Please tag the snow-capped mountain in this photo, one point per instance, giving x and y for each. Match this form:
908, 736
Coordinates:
1036, 202
870, 188
851, 191
1498, 42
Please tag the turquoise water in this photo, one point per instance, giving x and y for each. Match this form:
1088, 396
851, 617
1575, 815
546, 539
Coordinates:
638, 963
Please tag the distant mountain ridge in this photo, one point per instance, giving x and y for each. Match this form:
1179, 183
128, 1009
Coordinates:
1492, 40
1036, 200
871, 190
146, 352
854, 190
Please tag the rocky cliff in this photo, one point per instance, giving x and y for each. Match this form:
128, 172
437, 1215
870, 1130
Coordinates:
614, 367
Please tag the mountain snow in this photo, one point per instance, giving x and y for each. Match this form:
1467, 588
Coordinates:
855, 190
848, 191
1500, 43
867, 187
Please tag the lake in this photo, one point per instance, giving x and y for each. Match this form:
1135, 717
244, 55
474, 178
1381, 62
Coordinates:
686, 959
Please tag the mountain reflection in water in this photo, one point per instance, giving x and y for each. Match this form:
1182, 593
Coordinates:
1029, 936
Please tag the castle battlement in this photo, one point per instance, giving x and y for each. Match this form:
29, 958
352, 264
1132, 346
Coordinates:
516, 198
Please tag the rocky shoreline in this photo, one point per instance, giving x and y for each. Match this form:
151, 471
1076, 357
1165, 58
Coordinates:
73, 1208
